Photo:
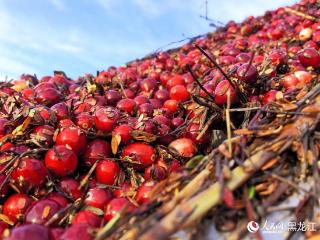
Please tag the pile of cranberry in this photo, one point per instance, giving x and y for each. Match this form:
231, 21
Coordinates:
75, 153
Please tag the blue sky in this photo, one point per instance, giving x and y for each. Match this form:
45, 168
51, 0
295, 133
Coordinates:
82, 36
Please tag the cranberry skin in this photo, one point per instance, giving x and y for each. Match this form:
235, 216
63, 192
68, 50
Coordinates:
144, 192
58, 198
98, 197
74, 138
175, 80
141, 100
106, 118
127, 105
44, 134
56, 233
97, 149
70, 187
30, 173
179, 93
107, 172
3, 227
177, 122
16, 205
87, 217
156, 103
160, 119
303, 77
61, 161
269, 96
309, 57
243, 58
193, 131
41, 211
48, 96
141, 152
84, 121
128, 93
124, 190
289, 81
162, 95
113, 97
247, 73
277, 57
185, 147
28, 232
146, 109
155, 172
116, 205
124, 131
221, 91
171, 105
61, 110
148, 85
78, 231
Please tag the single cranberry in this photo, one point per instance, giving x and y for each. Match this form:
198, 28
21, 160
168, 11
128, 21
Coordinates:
98, 197
61, 110
96, 150
303, 77
16, 205
107, 172
44, 134
29, 174
127, 105
148, 85
141, 152
247, 73
171, 105
160, 119
164, 77
70, 187
41, 211
221, 93
309, 57
84, 120
106, 118
141, 100
162, 95
193, 131
28, 232
289, 81
58, 198
175, 80
155, 103
48, 96
184, 147
86, 217
177, 122
179, 93
116, 205
146, 109
144, 192
155, 172
61, 161
124, 131
113, 96
78, 231
74, 138
277, 56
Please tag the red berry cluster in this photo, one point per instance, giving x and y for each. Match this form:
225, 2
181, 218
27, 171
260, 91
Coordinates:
76, 153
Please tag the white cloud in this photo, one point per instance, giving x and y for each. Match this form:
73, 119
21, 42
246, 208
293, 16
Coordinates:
58, 4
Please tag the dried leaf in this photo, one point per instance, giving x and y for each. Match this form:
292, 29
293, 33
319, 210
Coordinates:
115, 142
143, 136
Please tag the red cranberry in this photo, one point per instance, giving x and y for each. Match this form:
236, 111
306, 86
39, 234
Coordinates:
16, 205
192, 132
144, 192
148, 85
106, 118
98, 197
61, 110
247, 73
113, 97
269, 96
41, 211
78, 231
28, 232
221, 93
124, 190
140, 152
175, 80
303, 77
115, 206
107, 172
309, 57
56, 233
96, 150
141, 100
58, 198
72, 137
184, 147
84, 121
86, 217
155, 172
127, 105
48, 96
177, 122
44, 134
30, 173
171, 105
179, 93
162, 95
61, 161
70, 187
124, 131
146, 109
289, 81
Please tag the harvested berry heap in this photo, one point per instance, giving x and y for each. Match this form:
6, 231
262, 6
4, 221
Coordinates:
145, 150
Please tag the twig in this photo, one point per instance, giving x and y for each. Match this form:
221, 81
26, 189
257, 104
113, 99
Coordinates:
228, 124
301, 14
